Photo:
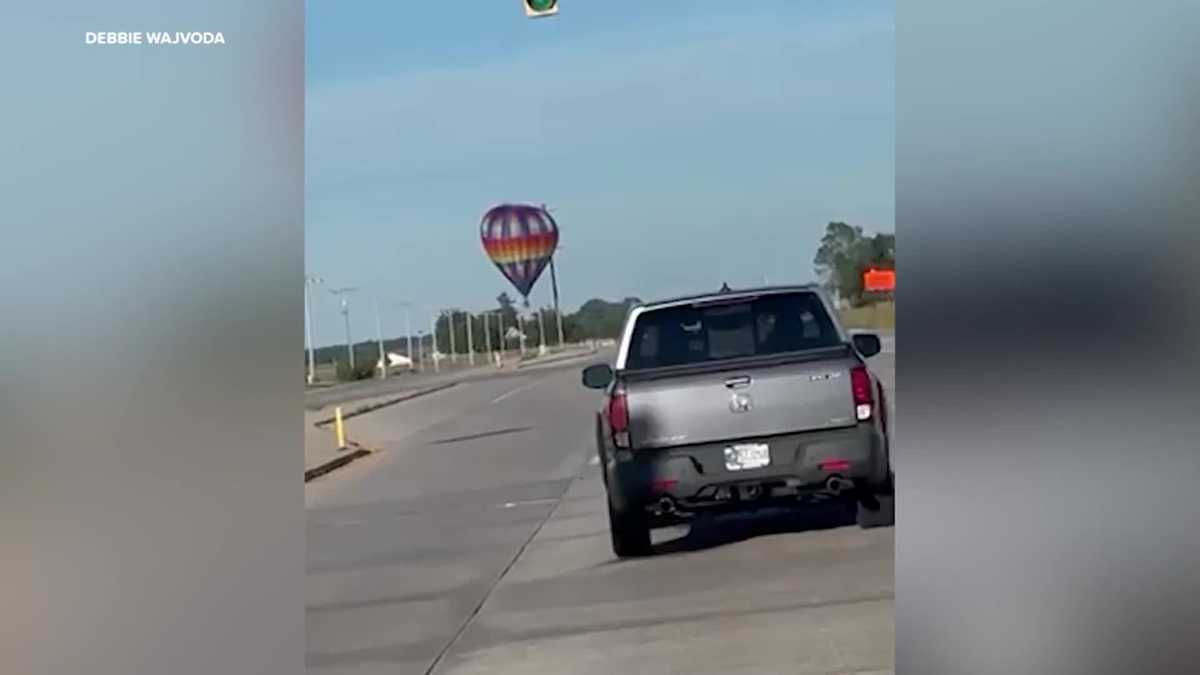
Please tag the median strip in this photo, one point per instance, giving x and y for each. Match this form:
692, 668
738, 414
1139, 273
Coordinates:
354, 450
371, 407
546, 360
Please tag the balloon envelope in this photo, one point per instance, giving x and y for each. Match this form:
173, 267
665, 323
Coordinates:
519, 239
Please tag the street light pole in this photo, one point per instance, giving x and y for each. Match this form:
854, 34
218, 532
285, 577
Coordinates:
308, 325
500, 332
521, 323
346, 315
487, 334
557, 309
349, 340
470, 340
437, 365
408, 330
541, 332
379, 338
450, 327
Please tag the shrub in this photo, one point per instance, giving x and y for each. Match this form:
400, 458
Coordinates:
361, 371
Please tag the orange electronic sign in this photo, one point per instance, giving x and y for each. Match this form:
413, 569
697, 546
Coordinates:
877, 280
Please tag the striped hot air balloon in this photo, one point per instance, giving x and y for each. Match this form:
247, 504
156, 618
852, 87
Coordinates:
519, 239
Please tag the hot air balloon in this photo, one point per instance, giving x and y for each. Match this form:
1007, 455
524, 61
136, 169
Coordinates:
520, 240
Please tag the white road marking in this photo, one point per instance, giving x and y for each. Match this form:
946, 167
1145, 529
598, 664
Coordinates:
528, 502
519, 389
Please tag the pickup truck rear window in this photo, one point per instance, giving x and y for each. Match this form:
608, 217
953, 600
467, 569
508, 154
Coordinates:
770, 324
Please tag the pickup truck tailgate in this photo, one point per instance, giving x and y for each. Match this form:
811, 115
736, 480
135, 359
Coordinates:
734, 404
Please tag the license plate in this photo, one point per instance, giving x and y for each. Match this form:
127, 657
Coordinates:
748, 456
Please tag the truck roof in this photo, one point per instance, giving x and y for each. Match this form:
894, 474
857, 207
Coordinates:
727, 295
638, 310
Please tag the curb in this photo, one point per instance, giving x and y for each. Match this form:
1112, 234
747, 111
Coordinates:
337, 462
556, 359
362, 410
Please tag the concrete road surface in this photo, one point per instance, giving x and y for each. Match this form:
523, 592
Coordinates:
477, 542
318, 398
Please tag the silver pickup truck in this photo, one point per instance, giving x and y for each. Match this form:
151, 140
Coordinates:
737, 400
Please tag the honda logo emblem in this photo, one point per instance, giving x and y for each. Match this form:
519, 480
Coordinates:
741, 402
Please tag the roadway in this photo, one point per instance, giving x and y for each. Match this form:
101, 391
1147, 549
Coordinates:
317, 398
477, 542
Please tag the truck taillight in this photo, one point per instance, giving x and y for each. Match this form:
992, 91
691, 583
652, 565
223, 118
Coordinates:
618, 417
860, 383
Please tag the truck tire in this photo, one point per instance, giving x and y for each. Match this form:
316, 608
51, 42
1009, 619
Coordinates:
885, 515
630, 533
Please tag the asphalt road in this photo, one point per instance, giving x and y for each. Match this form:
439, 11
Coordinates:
477, 542
321, 397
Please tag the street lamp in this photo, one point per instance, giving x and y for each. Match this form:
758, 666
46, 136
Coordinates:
346, 315
310, 280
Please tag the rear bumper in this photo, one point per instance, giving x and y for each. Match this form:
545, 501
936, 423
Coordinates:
695, 478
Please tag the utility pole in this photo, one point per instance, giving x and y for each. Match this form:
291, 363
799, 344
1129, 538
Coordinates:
557, 309
420, 362
450, 327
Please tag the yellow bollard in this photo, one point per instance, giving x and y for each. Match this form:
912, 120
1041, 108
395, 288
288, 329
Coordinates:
339, 428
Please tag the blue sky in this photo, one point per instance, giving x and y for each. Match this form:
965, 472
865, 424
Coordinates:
679, 144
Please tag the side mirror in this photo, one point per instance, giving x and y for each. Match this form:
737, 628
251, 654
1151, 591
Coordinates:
598, 376
867, 344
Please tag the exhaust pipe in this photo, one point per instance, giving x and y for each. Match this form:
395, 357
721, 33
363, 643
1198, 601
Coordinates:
836, 485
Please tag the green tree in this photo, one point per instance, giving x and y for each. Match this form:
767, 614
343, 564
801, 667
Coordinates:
845, 253
600, 319
507, 308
